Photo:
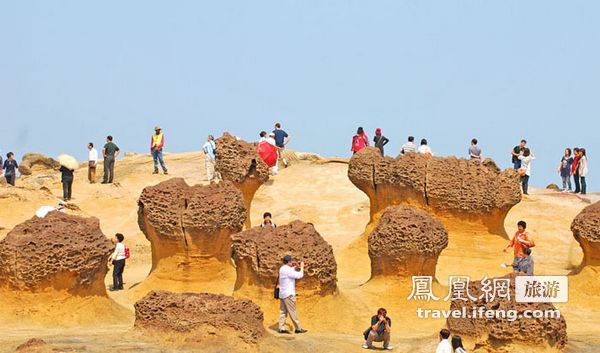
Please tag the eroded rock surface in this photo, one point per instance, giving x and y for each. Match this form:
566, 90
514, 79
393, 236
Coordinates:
406, 242
447, 186
193, 221
586, 230
238, 162
196, 314
59, 251
258, 254
32, 161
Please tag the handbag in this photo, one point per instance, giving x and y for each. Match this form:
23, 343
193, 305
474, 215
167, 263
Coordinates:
276, 291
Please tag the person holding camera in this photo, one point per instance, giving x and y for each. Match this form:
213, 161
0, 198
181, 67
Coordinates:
379, 331
288, 274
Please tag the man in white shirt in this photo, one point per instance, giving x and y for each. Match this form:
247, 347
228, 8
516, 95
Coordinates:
92, 161
409, 147
288, 274
444, 346
209, 149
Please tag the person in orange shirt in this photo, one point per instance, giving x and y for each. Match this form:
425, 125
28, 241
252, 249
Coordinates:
519, 243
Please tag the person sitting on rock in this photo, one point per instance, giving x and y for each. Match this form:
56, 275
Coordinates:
475, 151
379, 331
117, 259
268, 221
409, 147
457, 345
444, 346
519, 243
288, 274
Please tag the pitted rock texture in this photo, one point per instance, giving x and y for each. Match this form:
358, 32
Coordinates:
258, 254
238, 162
196, 313
190, 220
498, 331
447, 186
32, 161
586, 230
406, 242
60, 251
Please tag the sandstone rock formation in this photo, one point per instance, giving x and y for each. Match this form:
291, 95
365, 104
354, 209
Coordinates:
32, 161
258, 254
586, 230
553, 187
31, 345
238, 162
195, 222
499, 332
449, 187
59, 251
406, 242
198, 314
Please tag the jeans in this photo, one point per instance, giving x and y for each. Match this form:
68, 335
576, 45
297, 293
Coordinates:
157, 156
10, 179
109, 169
525, 183
118, 267
566, 180
67, 188
576, 180
583, 186
517, 164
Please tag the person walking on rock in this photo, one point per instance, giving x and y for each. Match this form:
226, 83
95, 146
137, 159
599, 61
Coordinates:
379, 140
117, 260
409, 146
379, 331
110, 152
564, 169
475, 151
157, 143
10, 168
209, 149
516, 152
288, 274
359, 141
92, 163
525, 170
281, 140
67, 182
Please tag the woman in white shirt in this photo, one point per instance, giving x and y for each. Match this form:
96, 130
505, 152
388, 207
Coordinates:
457, 345
525, 169
117, 259
583, 170
424, 149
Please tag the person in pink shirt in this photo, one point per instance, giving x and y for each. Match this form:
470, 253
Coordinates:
359, 141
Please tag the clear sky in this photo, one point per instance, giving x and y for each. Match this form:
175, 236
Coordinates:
75, 71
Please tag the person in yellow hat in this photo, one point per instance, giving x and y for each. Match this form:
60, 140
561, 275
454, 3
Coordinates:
157, 143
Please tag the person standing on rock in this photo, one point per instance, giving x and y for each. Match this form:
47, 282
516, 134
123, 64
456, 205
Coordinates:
359, 141
288, 274
475, 151
444, 346
525, 171
281, 140
379, 331
516, 152
583, 170
67, 182
92, 163
10, 168
157, 143
117, 260
409, 147
110, 152
564, 169
268, 221
209, 149
519, 242
457, 345
379, 140
575, 170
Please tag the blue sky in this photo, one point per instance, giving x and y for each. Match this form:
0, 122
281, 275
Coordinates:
74, 71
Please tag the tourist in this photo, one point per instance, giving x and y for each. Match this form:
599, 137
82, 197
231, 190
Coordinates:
157, 143
110, 152
575, 170
457, 345
379, 331
379, 140
209, 149
263, 136
444, 346
10, 168
117, 259
409, 147
92, 162
271, 140
525, 264
525, 170
583, 170
519, 242
268, 221
67, 182
288, 274
564, 169
359, 141
475, 151
516, 152
281, 140
425, 149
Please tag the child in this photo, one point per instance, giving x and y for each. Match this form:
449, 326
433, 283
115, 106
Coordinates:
267, 221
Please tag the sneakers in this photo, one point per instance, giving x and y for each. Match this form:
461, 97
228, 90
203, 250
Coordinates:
166, 172
365, 346
301, 331
388, 348
284, 331
155, 171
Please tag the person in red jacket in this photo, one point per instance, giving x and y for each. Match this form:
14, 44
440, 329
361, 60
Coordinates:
359, 141
575, 170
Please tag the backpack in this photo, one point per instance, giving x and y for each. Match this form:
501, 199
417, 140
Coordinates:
358, 142
127, 253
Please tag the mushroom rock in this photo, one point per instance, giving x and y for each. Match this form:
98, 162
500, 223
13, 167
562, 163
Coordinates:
192, 222
586, 230
32, 161
406, 242
501, 334
449, 187
199, 315
59, 251
258, 252
238, 162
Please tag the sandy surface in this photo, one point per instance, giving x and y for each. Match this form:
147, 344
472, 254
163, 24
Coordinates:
316, 193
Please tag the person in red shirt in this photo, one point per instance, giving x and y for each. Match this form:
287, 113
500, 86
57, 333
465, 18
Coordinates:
519, 243
359, 141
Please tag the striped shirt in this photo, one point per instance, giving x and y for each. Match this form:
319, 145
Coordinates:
408, 147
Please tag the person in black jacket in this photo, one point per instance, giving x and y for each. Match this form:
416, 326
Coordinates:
67, 182
380, 140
